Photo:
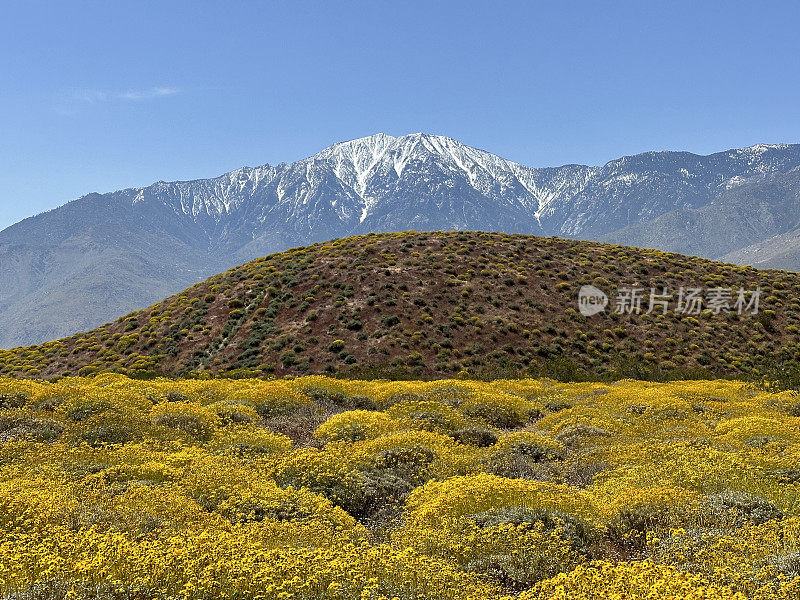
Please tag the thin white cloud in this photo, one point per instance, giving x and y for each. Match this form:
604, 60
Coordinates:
151, 94
92, 96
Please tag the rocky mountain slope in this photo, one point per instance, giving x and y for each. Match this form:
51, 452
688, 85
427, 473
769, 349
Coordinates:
441, 304
102, 255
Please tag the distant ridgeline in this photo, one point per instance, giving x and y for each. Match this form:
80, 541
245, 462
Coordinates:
103, 255
443, 304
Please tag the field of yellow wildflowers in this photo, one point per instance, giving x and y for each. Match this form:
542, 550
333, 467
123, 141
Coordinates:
317, 488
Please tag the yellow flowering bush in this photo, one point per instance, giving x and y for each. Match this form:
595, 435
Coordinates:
355, 425
639, 580
505, 547
529, 443
430, 415
248, 441
198, 421
468, 495
500, 409
313, 487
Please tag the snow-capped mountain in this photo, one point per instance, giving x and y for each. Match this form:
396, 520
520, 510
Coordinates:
102, 255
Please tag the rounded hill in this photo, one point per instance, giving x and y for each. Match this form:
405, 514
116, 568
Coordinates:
438, 304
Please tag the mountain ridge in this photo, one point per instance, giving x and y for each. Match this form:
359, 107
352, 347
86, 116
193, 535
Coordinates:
169, 235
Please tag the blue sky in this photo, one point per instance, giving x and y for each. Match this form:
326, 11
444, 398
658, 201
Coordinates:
98, 96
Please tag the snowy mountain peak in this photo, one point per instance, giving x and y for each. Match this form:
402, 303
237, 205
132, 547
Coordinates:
757, 151
367, 155
369, 164
375, 146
